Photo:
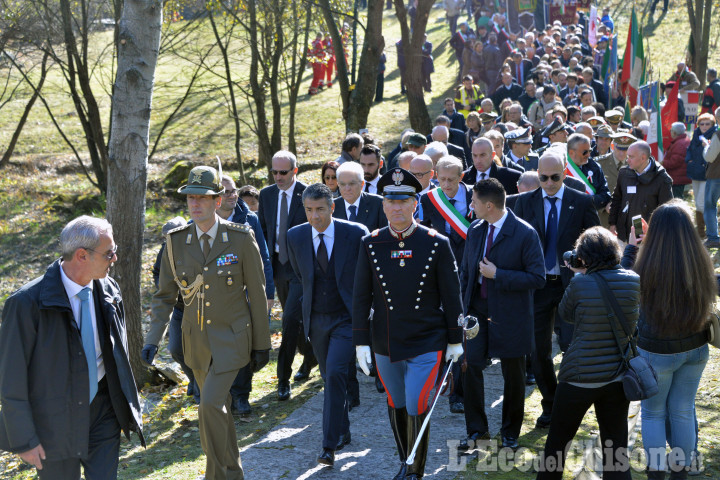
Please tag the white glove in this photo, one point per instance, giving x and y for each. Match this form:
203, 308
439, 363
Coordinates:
454, 351
364, 358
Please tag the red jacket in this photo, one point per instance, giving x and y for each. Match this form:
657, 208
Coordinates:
674, 161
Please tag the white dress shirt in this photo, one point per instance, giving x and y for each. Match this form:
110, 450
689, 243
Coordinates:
478, 175
328, 238
212, 233
356, 203
373, 185
289, 193
546, 207
72, 289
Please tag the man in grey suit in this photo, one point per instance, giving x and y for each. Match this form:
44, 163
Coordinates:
323, 254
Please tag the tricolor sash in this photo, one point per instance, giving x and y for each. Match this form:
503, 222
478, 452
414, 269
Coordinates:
451, 215
572, 170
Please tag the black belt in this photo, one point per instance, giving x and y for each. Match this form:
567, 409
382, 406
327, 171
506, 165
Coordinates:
666, 347
553, 278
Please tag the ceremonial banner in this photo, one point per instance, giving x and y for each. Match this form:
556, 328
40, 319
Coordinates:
691, 101
572, 170
648, 97
633, 72
592, 27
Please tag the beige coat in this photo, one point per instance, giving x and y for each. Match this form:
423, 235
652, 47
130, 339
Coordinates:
221, 322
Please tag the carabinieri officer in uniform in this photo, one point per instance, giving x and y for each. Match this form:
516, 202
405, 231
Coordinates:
407, 274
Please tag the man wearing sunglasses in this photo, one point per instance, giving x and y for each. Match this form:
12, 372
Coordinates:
559, 215
280, 210
66, 385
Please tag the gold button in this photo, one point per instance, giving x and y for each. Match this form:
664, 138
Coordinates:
207, 304
208, 322
206, 269
207, 286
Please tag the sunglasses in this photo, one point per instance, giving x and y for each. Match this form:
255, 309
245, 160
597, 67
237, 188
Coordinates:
554, 177
280, 172
585, 152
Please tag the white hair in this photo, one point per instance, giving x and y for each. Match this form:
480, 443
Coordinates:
589, 110
450, 162
677, 129
82, 232
644, 126
436, 149
351, 167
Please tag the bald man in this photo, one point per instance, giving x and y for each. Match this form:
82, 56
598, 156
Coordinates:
559, 215
422, 167
440, 133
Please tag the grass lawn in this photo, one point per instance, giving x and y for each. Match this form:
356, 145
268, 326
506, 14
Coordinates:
43, 169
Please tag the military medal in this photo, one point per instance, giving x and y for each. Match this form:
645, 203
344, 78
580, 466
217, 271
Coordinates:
401, 244
229, 281
401, 254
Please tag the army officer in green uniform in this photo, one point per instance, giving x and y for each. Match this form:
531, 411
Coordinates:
216, 266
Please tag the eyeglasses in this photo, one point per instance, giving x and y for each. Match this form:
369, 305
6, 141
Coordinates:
420, 174
108, 255
554, 177
230, 193
280, 172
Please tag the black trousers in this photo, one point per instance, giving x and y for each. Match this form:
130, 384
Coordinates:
289, 292
611, 410
513, 370
104, 446
547, 300
331, 338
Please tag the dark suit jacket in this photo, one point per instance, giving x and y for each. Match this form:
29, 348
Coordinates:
268, 209
370, 212
458, 153
502, 93
507, 176
301, 251
526, 65
599, 90
433, 219
577, 214
517, 254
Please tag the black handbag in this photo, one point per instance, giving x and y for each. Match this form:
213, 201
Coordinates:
640, 380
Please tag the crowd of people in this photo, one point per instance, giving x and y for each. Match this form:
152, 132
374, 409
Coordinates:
513, 211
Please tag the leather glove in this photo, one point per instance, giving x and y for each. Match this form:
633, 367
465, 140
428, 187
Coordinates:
148, 353
364, 358
260, 358
454, 351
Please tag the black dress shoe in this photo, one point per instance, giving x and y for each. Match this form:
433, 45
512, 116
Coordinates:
344, 440
241, 407
379, 385
327, 457
401, 473
457, 407
353, 402
302, 374
469, 441
283, 392
530, 379
510, 442
543, 421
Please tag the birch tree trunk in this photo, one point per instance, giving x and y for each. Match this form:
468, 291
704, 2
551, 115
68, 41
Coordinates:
139, 42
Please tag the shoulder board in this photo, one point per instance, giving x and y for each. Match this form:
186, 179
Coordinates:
375, 232
238, 227
432, 232
179, 229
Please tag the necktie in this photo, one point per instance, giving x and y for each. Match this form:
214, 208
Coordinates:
488, 246
322, 254
353, 213
205, 242
367, 187
282, 230
88, 339
448, 229
551, 235
483, 175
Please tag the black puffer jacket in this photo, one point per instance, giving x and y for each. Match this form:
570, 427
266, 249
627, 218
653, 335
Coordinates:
593, 355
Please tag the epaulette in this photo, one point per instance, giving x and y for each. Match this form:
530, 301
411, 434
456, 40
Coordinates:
375, 232
180, 228
238, 227
432, 232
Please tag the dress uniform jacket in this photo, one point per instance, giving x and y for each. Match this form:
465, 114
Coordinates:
610, 168
228, 324
413, 286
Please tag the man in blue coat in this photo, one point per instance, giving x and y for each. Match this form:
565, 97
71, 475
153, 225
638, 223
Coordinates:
323, 254
502, 267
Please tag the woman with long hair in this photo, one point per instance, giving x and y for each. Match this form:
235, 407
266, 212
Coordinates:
677, 291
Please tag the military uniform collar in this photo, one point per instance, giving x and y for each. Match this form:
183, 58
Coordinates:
212, 232
405, 233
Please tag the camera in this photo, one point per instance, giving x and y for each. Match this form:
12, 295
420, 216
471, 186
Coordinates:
572, 259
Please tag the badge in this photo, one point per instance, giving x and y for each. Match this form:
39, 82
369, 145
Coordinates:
188, 240
401, 254
228, 259
401, 244
224, 237
229, 281
398, 177
195, 178
632, 189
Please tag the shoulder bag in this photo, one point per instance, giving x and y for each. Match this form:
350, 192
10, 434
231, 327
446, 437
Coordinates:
714, 329
640, 380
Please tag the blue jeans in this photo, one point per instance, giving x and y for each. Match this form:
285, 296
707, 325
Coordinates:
712, 194
678, 378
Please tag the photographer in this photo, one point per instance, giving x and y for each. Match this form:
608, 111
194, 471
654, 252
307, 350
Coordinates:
592, 368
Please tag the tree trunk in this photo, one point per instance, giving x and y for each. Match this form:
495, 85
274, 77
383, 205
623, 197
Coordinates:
700, 15
139, 36
362, 97
265, 151
412, 47
298, 69
28, 107
342, 68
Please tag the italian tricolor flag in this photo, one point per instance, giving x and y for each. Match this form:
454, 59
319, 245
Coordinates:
633, 73
572, 170
450, 214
